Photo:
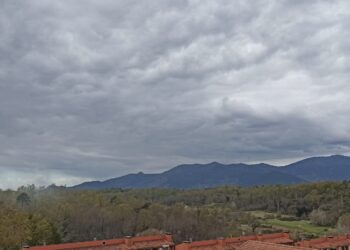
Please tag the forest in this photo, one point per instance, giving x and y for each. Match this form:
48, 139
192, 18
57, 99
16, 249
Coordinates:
47, 215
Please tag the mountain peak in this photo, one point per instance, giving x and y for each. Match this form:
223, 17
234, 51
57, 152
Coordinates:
214, 163
339, 156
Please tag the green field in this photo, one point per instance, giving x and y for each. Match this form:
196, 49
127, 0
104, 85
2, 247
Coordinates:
300, 226
303, 226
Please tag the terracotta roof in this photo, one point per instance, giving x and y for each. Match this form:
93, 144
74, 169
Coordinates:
141, 242
326, 242
281, 238
79, 245
259, 245
232, 243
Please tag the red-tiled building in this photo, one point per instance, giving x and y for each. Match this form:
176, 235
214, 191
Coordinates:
234, 242
259, 245
341, 242
157, 242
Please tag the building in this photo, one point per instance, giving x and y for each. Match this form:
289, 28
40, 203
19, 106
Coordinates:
234, 242
341, 242
156, 242
260, 245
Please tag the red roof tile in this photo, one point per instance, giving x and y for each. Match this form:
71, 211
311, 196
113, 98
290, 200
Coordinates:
140, 242
232, 243
259, 245
326, 242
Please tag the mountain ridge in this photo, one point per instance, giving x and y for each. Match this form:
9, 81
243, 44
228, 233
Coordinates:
184, 176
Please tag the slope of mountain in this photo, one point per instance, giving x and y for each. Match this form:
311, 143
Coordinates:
332, 168
335, 168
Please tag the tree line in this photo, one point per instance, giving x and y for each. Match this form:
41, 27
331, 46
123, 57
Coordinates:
37, 216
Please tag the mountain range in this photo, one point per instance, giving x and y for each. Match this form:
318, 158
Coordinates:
330, 168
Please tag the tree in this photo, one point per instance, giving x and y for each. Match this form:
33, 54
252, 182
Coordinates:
42, 232
319, 217
343, 224
14, 229
23, 199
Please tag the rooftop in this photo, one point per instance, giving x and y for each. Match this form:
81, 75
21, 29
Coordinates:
140, 242
326, 242
232, 243
259, 245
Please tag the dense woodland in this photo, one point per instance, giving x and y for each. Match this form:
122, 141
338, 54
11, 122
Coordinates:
34, 216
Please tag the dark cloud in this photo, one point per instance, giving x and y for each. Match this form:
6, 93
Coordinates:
95, 89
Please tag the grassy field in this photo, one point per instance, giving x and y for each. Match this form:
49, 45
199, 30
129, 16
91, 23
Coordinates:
303, 226
300, 226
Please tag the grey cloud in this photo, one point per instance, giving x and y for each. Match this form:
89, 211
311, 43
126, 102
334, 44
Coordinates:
94, 89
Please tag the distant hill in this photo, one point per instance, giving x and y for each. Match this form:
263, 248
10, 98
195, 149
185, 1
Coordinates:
335, 168
332, 168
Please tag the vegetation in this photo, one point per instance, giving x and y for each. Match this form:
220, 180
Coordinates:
292, 223
300, 226
35, 216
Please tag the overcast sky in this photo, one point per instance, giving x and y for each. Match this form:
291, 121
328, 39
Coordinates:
94, 89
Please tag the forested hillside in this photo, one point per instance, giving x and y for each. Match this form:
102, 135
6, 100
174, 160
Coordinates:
36, 216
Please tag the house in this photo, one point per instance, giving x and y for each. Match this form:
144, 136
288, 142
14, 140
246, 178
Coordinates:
156, 242
260, 245
341, 242
233, 242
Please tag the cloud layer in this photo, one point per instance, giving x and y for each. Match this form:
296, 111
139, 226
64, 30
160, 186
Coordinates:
95, 89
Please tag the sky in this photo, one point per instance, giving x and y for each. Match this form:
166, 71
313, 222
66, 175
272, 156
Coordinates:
95, 89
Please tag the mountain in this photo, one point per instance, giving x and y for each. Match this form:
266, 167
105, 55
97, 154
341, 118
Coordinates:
200, 176
334, 168
216, 174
